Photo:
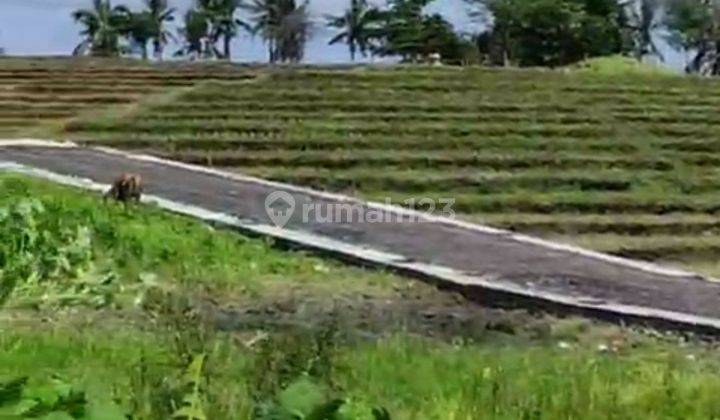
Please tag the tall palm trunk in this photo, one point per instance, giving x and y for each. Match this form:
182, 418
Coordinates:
227, 39
157, 49
271, 51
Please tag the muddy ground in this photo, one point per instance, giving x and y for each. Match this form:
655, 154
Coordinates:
415, 308
412, 307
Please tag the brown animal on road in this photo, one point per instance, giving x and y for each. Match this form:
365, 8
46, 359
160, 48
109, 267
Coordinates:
126, 188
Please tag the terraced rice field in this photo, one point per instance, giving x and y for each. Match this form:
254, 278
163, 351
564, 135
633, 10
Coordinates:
38, 97
627, 165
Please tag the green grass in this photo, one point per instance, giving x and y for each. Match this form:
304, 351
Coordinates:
183, 252
413, 378
133, 359
620, 66
611, 155
537, 382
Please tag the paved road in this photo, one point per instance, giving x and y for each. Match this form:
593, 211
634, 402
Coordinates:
536, 270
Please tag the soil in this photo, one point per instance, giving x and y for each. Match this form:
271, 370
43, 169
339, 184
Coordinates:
419, 310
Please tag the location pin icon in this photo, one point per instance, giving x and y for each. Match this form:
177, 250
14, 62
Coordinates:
279, 206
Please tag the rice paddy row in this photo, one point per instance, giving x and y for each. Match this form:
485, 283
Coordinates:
34, 100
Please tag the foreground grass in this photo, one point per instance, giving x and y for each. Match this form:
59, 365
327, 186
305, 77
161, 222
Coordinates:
131, 356
412, 378
179, 252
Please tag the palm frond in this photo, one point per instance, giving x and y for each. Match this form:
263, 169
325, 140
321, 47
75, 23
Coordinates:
338, 38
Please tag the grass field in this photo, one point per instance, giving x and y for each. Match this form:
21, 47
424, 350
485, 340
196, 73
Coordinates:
623, 163
110, 312
37, 97
120, 312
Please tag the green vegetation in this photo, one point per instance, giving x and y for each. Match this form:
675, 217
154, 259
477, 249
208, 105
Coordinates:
284, 25
160, 346
693, 27
510, 32
54, 235
39, 96
410, 377
620, 66
553, 32
605, 140
357, 27
112, 31
616, 152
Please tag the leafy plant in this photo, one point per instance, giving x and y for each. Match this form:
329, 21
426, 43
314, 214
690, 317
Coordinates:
284, 358
358, 25
302, 400
37, 248
549, 32
284, 25
380, 413
193, 401
56, 399
11, 391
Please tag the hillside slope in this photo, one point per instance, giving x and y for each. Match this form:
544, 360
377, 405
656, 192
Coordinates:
621, 163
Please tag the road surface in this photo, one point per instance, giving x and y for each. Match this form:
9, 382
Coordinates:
491, 266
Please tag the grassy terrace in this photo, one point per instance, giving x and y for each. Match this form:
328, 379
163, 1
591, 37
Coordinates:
623, 163
37, 97
115, 303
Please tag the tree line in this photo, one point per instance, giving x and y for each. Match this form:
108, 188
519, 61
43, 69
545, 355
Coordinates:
510, 32
207, 29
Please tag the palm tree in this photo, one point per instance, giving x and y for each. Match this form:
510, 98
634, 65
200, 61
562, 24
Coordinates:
358, 25
265, 21
285, 27
223, 23
140, 30
208, 9
294, 31
196, 35
104, 27
159, 13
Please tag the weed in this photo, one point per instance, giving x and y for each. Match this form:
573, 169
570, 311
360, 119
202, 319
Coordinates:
38, 248
54, 398
193, 400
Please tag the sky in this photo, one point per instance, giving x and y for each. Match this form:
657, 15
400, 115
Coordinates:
44, 27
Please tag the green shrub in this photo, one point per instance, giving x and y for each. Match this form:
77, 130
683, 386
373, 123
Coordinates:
37, 247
